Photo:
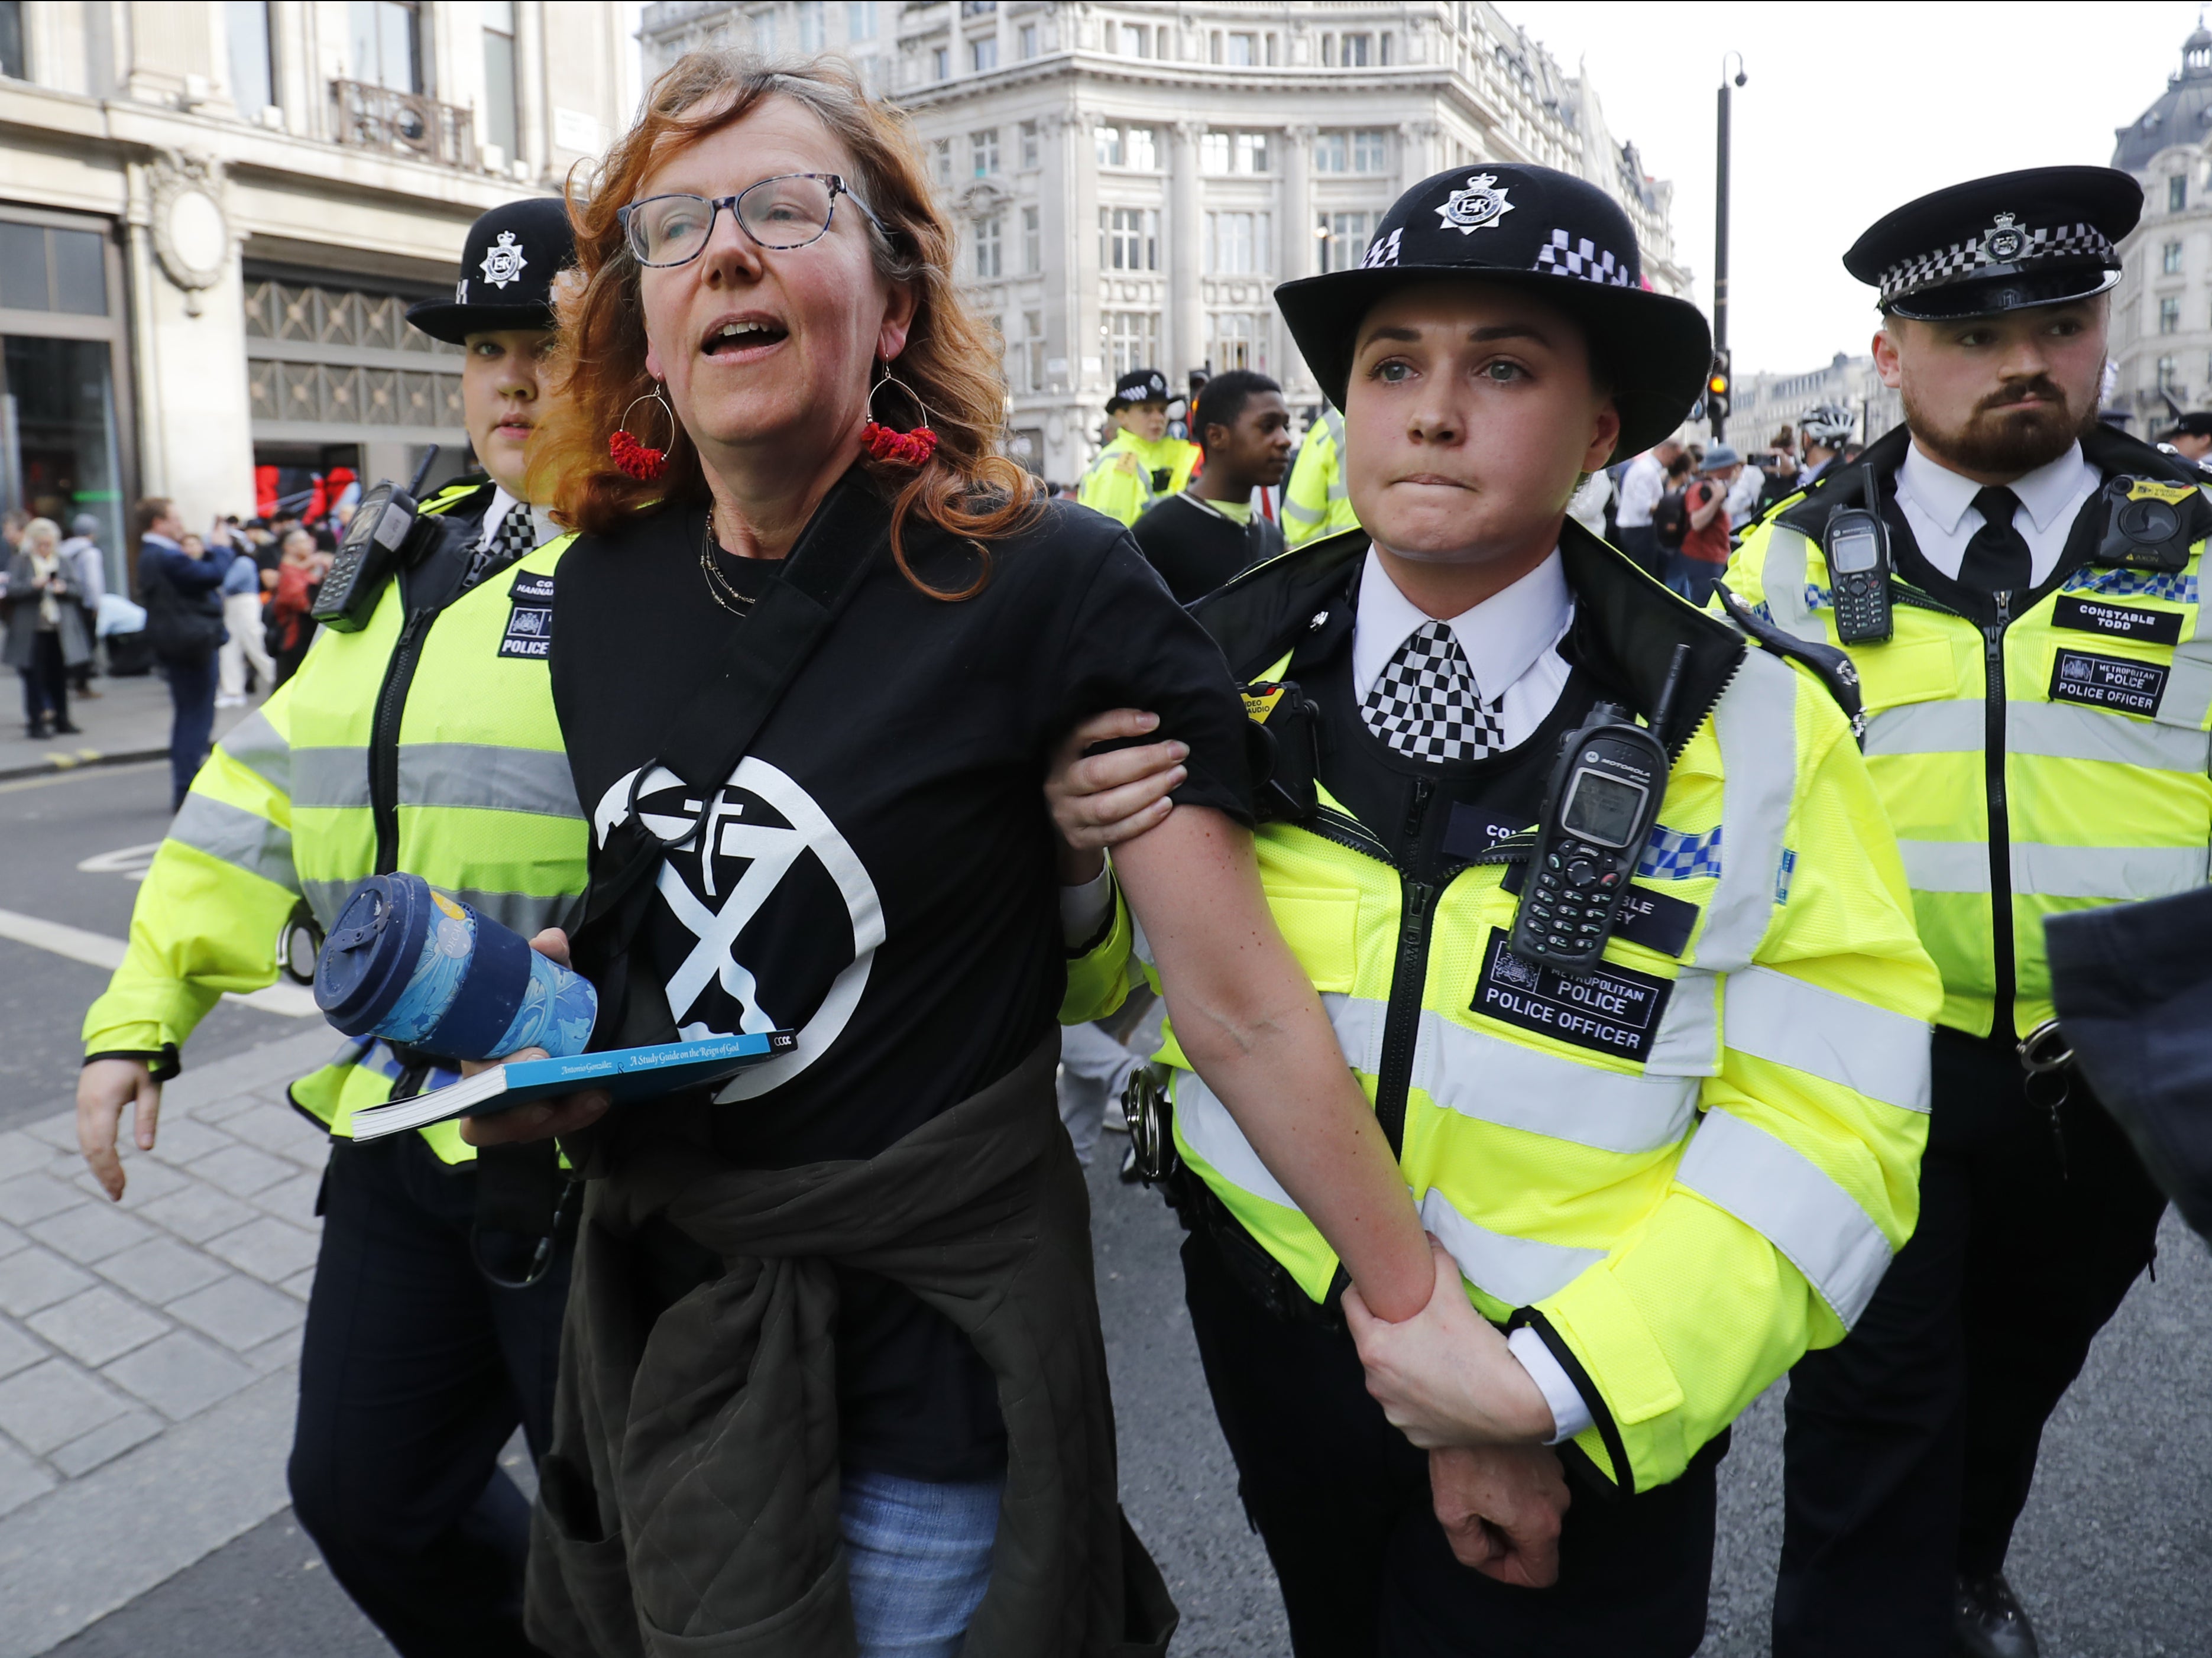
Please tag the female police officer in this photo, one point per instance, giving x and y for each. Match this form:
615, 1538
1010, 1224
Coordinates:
1663, 1207
421, 741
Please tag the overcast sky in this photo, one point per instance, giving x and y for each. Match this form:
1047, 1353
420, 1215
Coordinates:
1851, 109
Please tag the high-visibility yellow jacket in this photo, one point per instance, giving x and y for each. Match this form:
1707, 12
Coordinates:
1680, 1229
1315, 502
1131, 473
2054, 762
475, 798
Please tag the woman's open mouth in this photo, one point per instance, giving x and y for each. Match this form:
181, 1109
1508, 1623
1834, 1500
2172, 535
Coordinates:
740, 335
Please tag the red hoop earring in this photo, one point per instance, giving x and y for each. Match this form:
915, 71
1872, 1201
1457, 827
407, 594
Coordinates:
886, 443
634, 458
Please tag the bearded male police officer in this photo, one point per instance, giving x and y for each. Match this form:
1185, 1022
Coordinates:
425, 741
2038, 682
1665, 1173
1141, 464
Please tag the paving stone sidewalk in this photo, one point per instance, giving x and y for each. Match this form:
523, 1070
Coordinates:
148, 1349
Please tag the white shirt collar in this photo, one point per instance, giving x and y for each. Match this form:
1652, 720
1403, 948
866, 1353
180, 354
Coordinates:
1503, 637
2056, 487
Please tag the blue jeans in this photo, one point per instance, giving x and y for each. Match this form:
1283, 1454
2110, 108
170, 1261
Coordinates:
919, 1557
192, 694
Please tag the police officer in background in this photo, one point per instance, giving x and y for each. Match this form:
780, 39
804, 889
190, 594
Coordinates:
1648, 1210
2190, 437
1315, 503
2039, 688
425, 741
1823, 432
1141, 464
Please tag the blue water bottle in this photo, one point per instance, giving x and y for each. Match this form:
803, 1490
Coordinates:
419, 967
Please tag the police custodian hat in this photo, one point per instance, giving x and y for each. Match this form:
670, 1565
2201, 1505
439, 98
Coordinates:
1522, 227
2038, 237
1138, 386
514, 253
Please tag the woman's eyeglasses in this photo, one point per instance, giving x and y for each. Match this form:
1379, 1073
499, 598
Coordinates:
787, 212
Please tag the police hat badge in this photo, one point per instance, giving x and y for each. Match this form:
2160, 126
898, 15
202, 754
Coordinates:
504, 261
1479, 206
513, 253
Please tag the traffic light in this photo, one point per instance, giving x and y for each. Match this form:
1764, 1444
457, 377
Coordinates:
1717, 384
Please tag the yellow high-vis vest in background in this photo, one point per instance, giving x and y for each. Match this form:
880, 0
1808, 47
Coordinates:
1131, 473
1680, 1226
2056, 762
1316, 503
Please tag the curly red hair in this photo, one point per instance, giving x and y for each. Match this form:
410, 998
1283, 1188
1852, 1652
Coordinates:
966, 487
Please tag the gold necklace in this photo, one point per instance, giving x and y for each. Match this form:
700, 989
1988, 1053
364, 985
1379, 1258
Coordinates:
724, 591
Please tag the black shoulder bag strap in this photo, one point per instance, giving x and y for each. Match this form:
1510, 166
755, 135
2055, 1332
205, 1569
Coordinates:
707, 740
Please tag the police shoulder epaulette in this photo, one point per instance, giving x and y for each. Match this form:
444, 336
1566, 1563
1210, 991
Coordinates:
1265, 610
1828, 664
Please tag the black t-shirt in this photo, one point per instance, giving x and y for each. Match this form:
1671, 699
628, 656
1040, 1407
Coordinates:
881, 878
1196, 548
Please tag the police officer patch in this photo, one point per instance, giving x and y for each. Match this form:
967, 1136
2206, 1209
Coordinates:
1478, 207
2107, 682
1612, 1011
530, 622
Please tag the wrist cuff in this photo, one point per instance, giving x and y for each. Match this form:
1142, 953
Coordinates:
162, 1062
1085, 911
1569, 1414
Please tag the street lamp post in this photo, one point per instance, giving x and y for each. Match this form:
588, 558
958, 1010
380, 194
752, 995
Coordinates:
1720, 232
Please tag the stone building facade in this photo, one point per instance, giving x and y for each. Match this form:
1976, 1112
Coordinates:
2161, 336
213, 215
1131, 180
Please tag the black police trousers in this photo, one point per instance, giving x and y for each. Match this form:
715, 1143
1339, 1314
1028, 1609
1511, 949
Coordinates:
1910, 1446
414, 1373
1342, 1501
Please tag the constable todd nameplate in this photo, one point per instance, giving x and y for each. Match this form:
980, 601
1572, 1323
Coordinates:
1613, 1010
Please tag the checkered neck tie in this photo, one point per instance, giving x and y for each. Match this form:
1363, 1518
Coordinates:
517, 534
1425, 704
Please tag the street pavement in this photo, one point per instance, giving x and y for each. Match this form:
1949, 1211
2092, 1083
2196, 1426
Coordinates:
147, 1351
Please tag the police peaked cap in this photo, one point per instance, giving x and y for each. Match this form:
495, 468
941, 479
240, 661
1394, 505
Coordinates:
514, 253
1521, 226
2038, 237
1138, 386
2197, 423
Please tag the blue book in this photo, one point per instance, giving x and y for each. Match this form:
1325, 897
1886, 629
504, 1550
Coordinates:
628, 1073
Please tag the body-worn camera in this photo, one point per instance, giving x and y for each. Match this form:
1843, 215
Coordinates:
2150, 524
1598, 814
389, 533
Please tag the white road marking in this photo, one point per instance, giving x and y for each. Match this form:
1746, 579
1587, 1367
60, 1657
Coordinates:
98, 949
132, 863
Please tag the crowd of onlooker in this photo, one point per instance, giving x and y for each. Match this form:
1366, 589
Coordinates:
223, 615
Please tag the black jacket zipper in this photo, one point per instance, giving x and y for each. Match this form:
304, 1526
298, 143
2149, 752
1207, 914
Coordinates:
1402, 1023
383, 736
1998, 807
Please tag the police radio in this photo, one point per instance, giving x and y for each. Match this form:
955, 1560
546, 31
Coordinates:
1598, 813
1856, 547
387, 534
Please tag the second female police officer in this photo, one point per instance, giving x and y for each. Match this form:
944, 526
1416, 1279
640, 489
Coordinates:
424, 741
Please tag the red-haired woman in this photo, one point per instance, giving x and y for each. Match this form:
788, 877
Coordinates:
833, 1370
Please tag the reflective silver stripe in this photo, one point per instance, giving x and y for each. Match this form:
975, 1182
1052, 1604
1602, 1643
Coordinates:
1946, 866
237, 837
334, 777
2050, 730
1773, 1188
1209, 1131
1519, 1272
1339, 490
2188, 696
1687, 1041
1867, 1049
1757, 724
1476, 1074
1782, 580
256, 745
487, 776
527, 913
1300, 515
2117, 873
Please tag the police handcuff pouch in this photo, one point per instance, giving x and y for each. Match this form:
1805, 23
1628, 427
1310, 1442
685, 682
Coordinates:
2151, 524
388, 533
1284, 732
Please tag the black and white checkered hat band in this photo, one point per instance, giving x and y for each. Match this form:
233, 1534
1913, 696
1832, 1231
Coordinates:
1962, 260
1567, 255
